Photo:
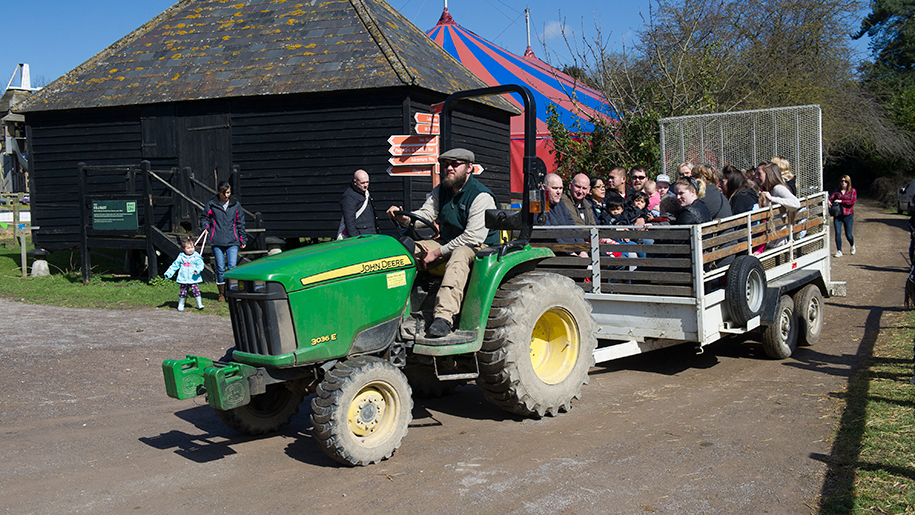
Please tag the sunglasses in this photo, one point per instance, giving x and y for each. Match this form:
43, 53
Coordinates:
453, 164
639, 177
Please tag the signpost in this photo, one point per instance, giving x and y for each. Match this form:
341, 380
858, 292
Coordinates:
416, 155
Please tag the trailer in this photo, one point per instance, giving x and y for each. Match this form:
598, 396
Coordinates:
698, 284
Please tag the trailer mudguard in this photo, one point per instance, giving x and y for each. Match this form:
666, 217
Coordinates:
788, 284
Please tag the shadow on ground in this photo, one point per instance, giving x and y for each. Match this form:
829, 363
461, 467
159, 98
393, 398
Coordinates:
838, 492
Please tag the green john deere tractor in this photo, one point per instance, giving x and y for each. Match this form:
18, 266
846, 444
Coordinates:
346, 321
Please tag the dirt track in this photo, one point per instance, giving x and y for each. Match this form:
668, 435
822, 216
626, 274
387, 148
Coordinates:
87, 427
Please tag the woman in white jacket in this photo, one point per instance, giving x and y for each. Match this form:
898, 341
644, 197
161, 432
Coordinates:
774, 192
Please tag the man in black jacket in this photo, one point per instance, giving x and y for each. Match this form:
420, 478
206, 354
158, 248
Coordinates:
358, 208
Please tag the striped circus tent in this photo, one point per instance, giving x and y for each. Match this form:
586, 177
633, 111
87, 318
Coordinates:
574, 101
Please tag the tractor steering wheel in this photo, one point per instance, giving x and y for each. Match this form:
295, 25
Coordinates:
429, 232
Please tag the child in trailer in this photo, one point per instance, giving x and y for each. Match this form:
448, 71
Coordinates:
188, 264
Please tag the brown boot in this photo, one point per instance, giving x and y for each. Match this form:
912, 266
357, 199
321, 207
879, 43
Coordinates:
222, 292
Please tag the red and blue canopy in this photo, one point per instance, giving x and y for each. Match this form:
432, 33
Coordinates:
575, 102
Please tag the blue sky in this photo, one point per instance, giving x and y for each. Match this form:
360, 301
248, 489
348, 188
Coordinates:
55, 36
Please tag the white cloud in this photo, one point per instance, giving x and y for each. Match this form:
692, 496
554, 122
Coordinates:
552, 29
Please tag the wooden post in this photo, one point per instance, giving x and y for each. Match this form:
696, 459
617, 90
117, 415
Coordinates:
177, 202
261, 238
15, 202
25, 262
149, 219
84, 219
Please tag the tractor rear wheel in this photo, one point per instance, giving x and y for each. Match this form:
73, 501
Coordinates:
265, 413
361, 411
538, 346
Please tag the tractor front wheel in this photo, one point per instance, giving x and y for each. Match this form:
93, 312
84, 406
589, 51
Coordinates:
361, 411
539, 345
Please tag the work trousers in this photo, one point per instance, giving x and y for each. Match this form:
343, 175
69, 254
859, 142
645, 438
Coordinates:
457, 272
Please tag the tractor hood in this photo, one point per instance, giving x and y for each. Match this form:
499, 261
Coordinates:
324, 262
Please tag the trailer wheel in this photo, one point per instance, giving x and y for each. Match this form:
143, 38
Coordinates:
424, 383
808, 303
746, 289
265, 413
780, 338
538, 346
361, 411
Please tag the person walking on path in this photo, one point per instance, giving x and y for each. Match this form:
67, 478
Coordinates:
845, 197
224, 219
188, 265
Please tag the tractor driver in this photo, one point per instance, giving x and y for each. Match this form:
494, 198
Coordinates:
458, 205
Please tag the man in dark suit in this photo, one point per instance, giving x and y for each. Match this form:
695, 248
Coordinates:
358, 208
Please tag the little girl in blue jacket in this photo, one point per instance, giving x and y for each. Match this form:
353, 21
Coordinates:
188, 265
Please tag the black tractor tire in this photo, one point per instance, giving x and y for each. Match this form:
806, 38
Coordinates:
808, 303
538, 346
265, 413
780, 338
426, 385
361, 411
745, 289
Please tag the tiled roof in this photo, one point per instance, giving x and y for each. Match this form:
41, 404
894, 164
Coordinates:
204, 49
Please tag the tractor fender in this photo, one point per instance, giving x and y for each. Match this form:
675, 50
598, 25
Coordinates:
493, 266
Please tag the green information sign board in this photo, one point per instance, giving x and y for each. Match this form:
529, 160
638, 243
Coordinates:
114, 215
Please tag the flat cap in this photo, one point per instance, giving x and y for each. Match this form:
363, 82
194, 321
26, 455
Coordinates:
457, 154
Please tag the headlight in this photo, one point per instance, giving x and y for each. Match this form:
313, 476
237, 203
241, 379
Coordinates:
234, 285
260, 286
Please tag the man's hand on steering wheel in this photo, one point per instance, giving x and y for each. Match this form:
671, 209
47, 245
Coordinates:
429, 232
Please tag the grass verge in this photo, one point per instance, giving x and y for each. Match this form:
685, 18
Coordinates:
110, 287
872, 466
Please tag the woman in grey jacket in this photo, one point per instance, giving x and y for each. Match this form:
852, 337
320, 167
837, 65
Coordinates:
224, 220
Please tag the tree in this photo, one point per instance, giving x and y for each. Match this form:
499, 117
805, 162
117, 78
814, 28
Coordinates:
891, 27
694, 56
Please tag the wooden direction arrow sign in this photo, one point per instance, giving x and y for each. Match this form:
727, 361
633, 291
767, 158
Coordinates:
410, 171
411, 160
415, 145
422, 128
426, 118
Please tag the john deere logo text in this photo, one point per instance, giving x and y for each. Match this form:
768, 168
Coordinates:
383, 264
359, 268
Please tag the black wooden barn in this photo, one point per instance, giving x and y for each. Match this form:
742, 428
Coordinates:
293, 95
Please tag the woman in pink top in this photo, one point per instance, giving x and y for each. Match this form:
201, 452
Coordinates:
845, 196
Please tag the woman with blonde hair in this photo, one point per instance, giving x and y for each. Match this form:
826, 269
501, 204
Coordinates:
845, 197
684, 169
787, 174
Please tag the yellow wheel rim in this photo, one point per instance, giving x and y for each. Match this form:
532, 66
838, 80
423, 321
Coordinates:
554, 346
371, 414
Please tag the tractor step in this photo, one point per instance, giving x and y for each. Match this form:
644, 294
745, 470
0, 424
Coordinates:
455, 338
460, 375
